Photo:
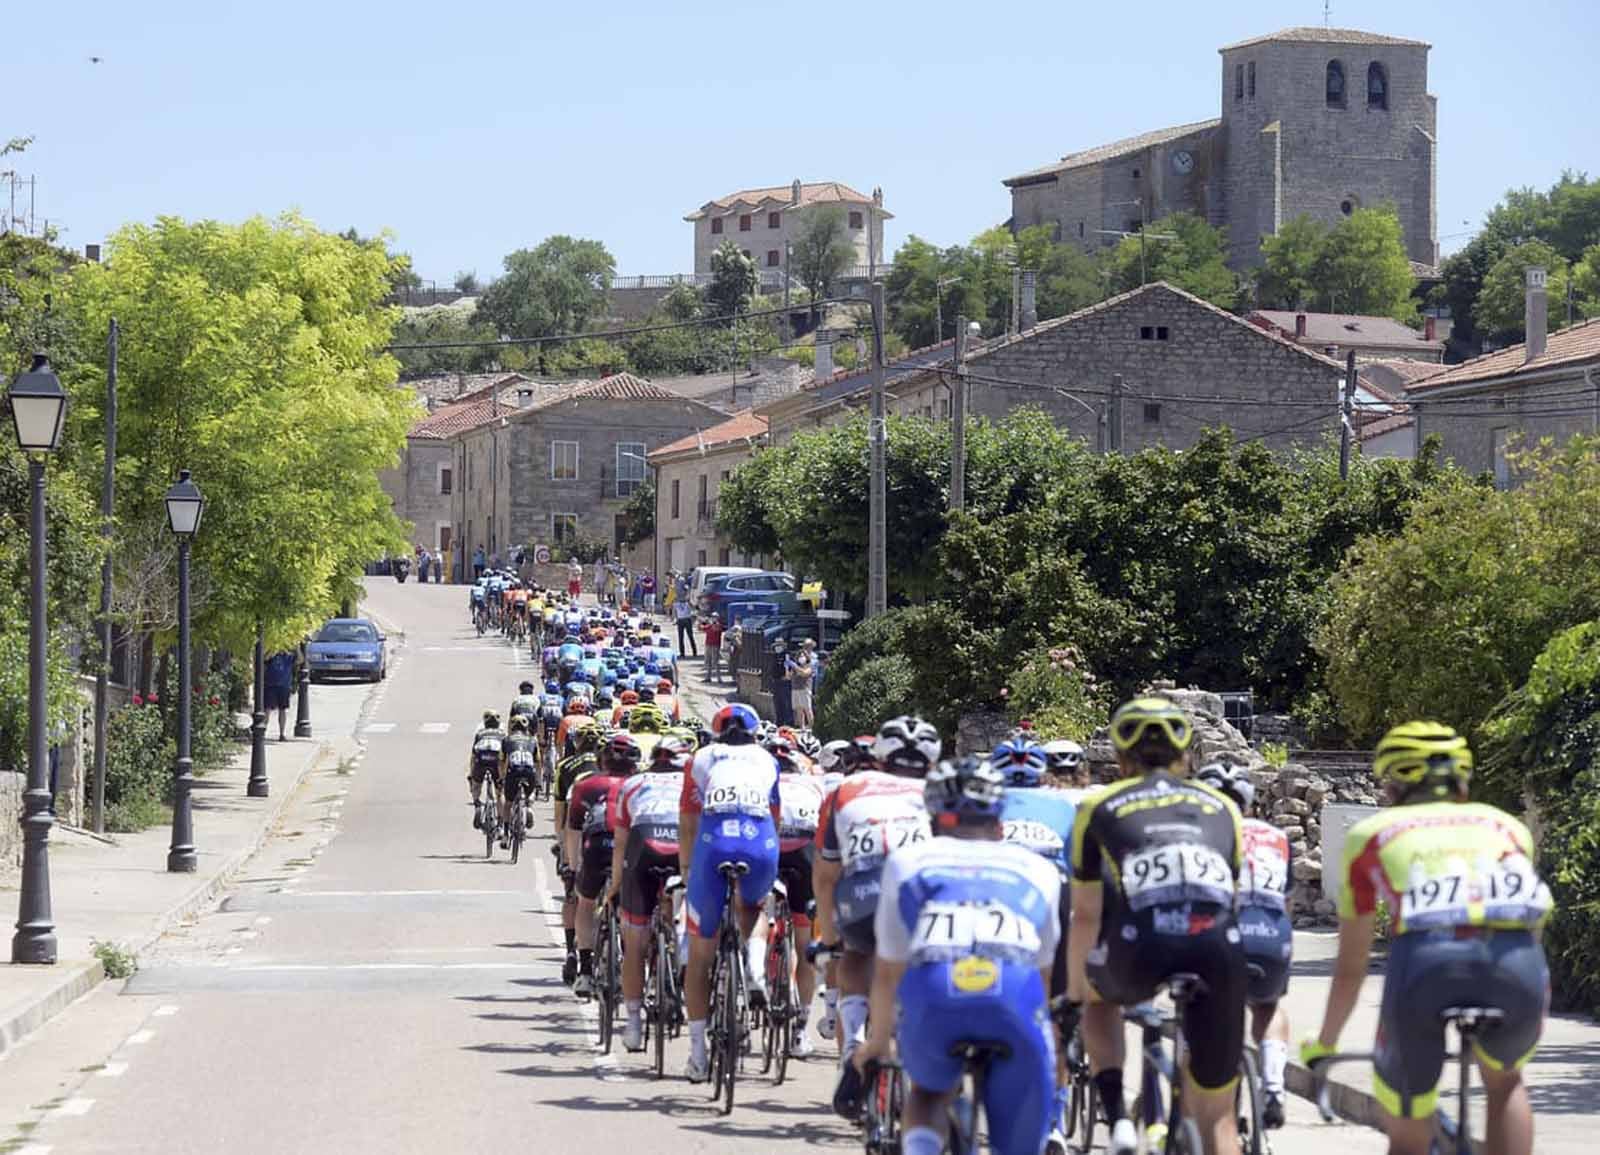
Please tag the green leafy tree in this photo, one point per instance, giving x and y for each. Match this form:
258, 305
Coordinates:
639, 514
1287, 277
467, 282
444, 324
554, 289
909, 291
682, 303
821, 251
1502, 302
1362, 267
1195, 260
733, 280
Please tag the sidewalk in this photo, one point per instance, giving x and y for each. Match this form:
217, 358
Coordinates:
116, 888
701, 697
1561, 1077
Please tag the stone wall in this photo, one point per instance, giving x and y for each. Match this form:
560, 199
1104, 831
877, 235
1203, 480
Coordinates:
12, 785
1292, 799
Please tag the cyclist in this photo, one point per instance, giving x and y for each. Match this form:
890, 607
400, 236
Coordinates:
525, 704
1267, 932
666, 700
521, 769
800, 794
576, 717
626, 701
590, 841
730, 795
1068, 768
1155, 863
485, 760
644, 858
966, 933
1466, 907
584, 759
872, 814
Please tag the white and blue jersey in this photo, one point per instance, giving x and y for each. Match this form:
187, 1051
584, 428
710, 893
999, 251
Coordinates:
1040, 819
974, 921
734, 789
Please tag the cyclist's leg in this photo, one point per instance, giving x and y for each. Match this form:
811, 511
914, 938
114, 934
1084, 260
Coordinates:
795, 870
856, 905
1518, 984
595, 858
924, 1035
1019, 1095
753, 890
703, 899
475, 786
1213, 1029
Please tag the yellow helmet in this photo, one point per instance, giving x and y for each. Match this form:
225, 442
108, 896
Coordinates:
1133, 720
647, 718
1412, 751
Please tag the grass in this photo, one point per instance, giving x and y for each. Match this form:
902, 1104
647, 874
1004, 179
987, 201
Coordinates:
1276, 754
132, 815
118, 963
347, 767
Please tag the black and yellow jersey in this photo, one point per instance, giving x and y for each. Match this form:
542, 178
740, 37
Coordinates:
570, 769
1158, 841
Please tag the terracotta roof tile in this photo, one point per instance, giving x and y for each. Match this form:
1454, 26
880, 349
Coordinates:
1314, 35
1349, 329
818, 192
1573, 345
1115, 149
1378, 427
743, 426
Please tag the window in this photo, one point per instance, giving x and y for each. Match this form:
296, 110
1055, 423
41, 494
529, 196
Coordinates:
1347, 206
701, 487
563, 461
716, 225
723, 555
1080, 228
700, 557
1135, 174
725, 474
1377, 86
1153, 332
1152, 413
855, 220
444, 478
1161, 332
675, 497
774, 258
744, 222
1250, 81
944, 407
1335, 84
630, 466
563, 528
774, 220
1238, 82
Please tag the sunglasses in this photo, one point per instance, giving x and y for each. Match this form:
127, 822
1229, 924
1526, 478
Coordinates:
1127, 733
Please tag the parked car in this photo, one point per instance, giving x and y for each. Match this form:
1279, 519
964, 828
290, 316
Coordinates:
348, 648
767, 586
703, 575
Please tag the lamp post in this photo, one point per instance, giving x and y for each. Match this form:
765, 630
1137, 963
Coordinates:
184, 507
302, 704
38, 405
257, 786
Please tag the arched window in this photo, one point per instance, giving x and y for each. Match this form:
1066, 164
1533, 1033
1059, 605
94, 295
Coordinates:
1377, 86
1335, 84
1238, 82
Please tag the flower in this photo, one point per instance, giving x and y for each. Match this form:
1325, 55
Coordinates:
138, 700
214, 700
152, 699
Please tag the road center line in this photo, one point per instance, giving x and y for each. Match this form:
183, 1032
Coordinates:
139, 1037
112, 1070
392, 893
74, 1107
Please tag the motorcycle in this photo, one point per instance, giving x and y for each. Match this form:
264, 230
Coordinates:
402, 567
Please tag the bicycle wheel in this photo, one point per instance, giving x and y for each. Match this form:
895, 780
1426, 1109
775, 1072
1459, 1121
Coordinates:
603, 964
663, 1013
733, 1017
1247, 1103
519, 831
780, 1006
717, 1028
1084, 1112
1184, 1139
491, 817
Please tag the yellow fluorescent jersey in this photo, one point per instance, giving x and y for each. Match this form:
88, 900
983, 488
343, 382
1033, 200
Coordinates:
1439, 865
1159, 840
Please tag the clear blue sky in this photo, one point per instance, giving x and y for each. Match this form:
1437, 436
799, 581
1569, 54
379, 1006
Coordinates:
471, 129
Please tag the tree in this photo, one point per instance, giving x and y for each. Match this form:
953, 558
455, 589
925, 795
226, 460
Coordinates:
1362, 267
1069, 279
682, 303
1287, 277
467, 282
733, 280
1195, 260
639, 514
444, 324
552, 290
401, 275
820, 252
1502, 302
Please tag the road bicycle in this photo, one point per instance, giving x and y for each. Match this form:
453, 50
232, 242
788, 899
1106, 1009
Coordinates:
663, 988
1156, 1066
607, 967
491, 814
517, 831
1248, 1101
730, 1000
1452, 1134
778, 1019
963, 1117
882, 1105
544, 778
1078, 1104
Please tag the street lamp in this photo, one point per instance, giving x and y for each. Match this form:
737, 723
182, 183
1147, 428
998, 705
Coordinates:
939, 284
38, 405
184, 507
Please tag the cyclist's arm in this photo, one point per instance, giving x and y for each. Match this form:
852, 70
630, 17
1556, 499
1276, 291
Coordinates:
1088, 904
573, 837
688, 820
824, 879
1349, 972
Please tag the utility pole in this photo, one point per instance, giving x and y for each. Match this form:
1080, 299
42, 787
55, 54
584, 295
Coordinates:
788, 325
877, 436
958, 418
1347, 414
1016, 289
1115, 430
102, 679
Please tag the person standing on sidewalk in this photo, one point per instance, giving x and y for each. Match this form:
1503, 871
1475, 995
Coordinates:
424, 564
683, 612
800, 669
599, 579
477, 563
276, 687
647, 586
778, 680
713, 631
574, 578
438, 567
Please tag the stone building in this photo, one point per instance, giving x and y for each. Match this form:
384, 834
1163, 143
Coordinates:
1547, 387
1314, 121
762, 221
1369, 338
689, 475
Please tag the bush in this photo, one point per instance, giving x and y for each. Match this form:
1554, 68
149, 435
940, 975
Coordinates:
139, 758
876, 689
1057, 693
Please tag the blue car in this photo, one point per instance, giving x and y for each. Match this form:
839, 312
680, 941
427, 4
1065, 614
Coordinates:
348, 648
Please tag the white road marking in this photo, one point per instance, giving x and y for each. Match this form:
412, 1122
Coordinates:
112, 1070
387, 966
435, 727
247, 934
34, 1149
261, 920
74, 1107
378, 727
392, 893
167, 1009
139, 1037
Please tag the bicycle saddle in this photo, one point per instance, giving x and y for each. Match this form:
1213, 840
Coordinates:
980, 1052
1471, 1017
1183, 986
739, 868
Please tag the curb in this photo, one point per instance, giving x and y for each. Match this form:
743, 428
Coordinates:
1351, 1104
74, 984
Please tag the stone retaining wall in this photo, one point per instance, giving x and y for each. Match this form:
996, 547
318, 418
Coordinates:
12, 785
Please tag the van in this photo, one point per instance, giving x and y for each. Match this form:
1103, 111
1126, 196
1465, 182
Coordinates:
701, 574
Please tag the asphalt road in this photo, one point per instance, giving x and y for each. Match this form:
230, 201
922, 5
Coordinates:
376, 985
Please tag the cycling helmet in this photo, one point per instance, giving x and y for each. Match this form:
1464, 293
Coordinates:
651, 668
1020, 759
525, 688
808, 744
519, 723
907, 745
621, 754
608, 677
735, 720
664, 686
782, 751
603, 697
858, 755
965, 790
831, 756
491, 719
647, 693
1234, 781
1063, 757
629, 698
1153, 717
1413, 752
673, 752
647, 718
578, 705
586, 739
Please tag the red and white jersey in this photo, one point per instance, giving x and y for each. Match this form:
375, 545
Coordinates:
1264, 881
732, 780
801, 795
649, 799
870, 816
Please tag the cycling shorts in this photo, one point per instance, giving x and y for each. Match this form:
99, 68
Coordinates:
594, 864
1132, 959
481, 770
526, 775
938, 1012
1058, 969
645, 871
729, 838
1431, 970
1268, 946
794, 871
855, 907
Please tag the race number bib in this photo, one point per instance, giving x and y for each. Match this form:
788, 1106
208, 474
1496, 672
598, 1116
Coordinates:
871, 842
801, 814
960, 927
739, 797
1509, 891
522, 758
1174, 873
1033, 835
1266, 877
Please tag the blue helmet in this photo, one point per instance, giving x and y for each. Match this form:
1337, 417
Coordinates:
552, 687
966, 790
1022, 762
651, 667
735, 716
608, 677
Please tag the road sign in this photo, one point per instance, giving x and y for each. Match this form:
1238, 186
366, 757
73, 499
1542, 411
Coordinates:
541, 555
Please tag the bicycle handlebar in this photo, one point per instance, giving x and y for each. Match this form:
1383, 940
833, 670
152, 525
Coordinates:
1319, 1074
822, 952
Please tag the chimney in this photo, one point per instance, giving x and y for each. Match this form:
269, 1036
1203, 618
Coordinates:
1534, 315
1430, 328
794, 191
91, 253
1331, 351
1030, 310
524, 398
824, 367
1299, 326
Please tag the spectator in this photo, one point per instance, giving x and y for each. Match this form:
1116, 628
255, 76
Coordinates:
477, 563
684, 614
669, 596
778, 681
713, 630
801, 668
276, 686
424, 564
599, 576
647, 586
574, 577
438, 567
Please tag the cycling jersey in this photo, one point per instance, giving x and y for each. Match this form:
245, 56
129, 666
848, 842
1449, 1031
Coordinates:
521, 758
801, 797
871, 816
974, 922
1040, 819
570, 769
589, 807
646, 818
1443, 865
570, 725
734, 789
486, 750
524, 705
1263, 910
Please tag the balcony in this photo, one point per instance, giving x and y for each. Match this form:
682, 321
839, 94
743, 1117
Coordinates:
705, 513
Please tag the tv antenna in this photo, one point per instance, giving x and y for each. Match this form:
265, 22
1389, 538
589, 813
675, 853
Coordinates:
1327, 12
